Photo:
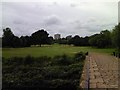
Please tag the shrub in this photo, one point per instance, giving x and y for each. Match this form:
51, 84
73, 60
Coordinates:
30, 72
79, 56
61, 60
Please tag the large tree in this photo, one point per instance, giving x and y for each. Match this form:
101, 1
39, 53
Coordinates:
7, 37
75, 40
116, 36
25, 41
15, 42
40, 37
101, 40
93, 40
50, 40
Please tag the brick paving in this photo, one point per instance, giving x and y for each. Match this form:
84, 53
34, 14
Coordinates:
101, 71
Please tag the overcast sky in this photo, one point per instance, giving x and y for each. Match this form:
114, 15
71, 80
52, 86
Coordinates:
67, 17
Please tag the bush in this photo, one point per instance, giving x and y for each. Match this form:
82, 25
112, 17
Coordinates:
29, 72
62, 60
28, 60
79, 56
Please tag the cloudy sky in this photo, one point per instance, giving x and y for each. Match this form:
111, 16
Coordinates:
67, 17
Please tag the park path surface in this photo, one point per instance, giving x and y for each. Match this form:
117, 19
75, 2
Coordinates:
100, 71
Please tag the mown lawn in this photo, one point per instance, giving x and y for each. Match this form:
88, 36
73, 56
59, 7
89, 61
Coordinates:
51, 51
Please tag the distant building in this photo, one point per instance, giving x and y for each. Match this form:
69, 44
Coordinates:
69, 37
57, 36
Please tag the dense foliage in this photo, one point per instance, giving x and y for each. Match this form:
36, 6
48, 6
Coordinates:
43, 72
40, 37
101, 40
37, 38
116, 36
79, 41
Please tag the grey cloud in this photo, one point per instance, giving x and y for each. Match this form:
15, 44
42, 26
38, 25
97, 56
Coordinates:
55, 3
73, 5
18, 22
26, 18
77, 24
52, 20
92, 20
91, 25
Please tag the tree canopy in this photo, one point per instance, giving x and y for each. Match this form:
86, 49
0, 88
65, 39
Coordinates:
9, 39
116, 36
40, 37
37, 38
101, 40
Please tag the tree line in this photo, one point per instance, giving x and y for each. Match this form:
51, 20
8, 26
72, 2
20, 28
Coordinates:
103, 39
37, 38
106, 38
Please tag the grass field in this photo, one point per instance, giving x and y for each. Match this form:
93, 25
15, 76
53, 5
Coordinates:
50, 50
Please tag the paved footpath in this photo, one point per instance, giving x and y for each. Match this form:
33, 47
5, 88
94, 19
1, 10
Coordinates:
100, 71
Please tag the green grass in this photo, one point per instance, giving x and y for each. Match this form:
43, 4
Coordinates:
51, 51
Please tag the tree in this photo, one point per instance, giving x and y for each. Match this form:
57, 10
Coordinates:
79, 41
25, 41
7, 37
101, 40
62, 41
86, 41
116, 36
106, 35
93, 40
75, 40
40, 37
50, 40
15, 42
